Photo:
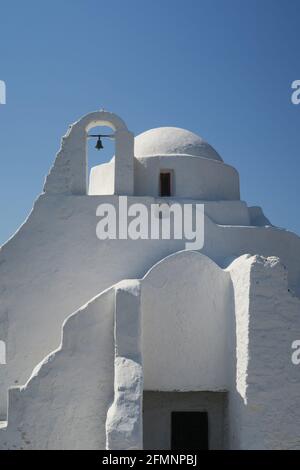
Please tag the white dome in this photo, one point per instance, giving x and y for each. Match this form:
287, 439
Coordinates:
172, 141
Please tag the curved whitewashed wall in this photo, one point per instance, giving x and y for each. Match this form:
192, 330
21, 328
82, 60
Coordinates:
192, 177
65, 402
187, 311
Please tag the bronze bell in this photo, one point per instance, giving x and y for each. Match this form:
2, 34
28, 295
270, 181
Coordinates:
99, 145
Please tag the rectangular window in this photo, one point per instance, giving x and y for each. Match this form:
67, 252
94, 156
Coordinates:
165, 184
189, 430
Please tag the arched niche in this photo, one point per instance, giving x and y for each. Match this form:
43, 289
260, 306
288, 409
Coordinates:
69, 174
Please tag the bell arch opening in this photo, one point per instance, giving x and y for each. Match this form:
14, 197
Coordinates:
69, 174
100, 154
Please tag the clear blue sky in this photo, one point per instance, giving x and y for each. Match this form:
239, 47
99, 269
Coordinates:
221, 68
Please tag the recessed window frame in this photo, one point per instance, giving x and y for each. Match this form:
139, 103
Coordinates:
171, 182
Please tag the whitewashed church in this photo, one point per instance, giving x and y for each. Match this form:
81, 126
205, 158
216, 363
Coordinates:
123, 343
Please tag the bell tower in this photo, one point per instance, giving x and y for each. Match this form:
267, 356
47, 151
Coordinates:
69, 173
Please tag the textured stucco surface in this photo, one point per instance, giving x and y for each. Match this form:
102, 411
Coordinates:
65, 402
264, 403
124, 417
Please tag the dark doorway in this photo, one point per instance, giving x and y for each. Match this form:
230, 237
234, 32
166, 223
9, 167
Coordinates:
189, 430
158, 408
165, 184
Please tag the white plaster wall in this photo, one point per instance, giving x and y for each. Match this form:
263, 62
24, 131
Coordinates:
258, 217
225, 242
253, 349
124, 429
102, 179
237, 371
65, 402
191, 340
186, 323
193, 177
78, 377
225, 212
264, 413
55, 264
52, 266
